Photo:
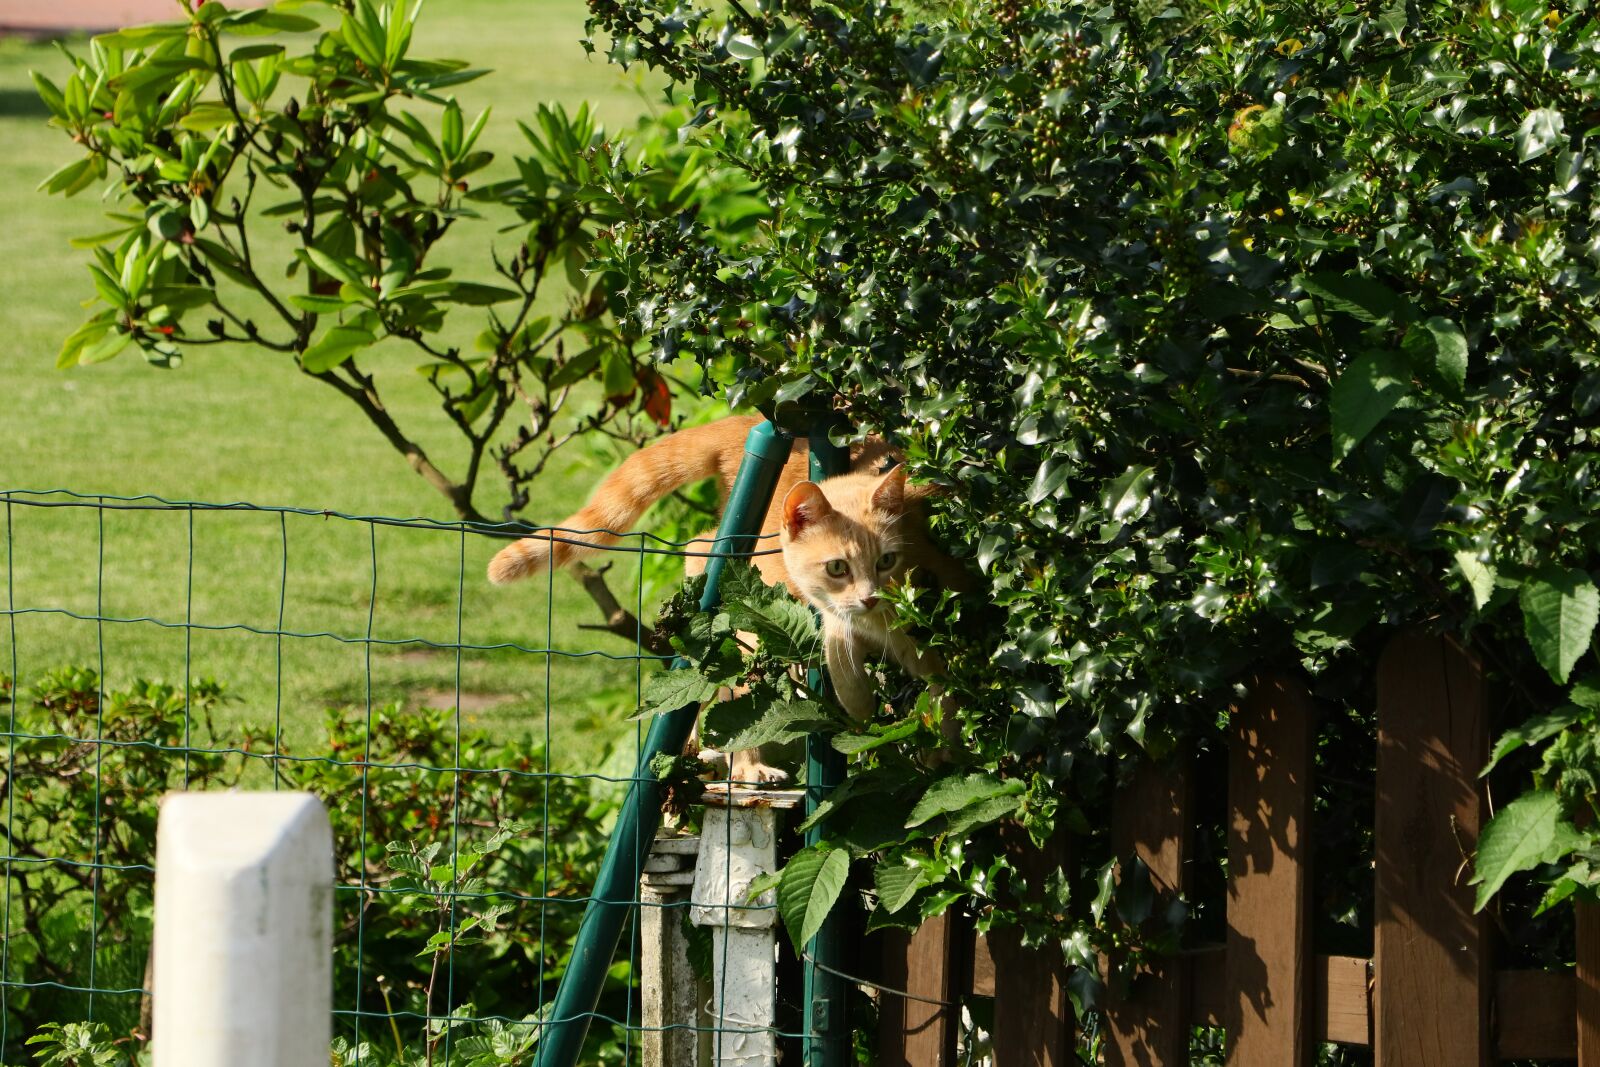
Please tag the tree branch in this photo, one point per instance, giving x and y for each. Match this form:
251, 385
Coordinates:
364, 395
619, 620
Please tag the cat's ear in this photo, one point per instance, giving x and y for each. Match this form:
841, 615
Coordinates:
804, 505
890, 495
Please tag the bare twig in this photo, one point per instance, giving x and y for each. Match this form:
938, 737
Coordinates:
619, 620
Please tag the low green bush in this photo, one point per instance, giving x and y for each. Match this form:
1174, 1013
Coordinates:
475, 878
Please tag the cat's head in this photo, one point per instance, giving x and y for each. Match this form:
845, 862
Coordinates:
842, 541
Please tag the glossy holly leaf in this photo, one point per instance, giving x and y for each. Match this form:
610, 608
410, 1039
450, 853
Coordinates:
1128, 495
1542, 130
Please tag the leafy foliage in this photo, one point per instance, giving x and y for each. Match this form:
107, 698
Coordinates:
892, 799
1235, 339
456, 885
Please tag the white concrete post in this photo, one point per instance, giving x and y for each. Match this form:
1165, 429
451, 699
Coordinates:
668, 988
243, 931
738, 843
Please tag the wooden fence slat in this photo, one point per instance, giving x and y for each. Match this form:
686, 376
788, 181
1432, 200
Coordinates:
1534, 1015
1268, 1011
978, 970
915, 1033
1032, 1014
1342, 1002
1430, 959
1588, 985
1150, 819
1206, 987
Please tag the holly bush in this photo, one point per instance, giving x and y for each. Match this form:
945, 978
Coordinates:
1236, 338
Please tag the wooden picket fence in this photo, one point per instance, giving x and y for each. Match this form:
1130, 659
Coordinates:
1429, 997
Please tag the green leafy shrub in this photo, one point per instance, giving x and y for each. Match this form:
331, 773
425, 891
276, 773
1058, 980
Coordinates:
291, 178
1236, 341
475, 878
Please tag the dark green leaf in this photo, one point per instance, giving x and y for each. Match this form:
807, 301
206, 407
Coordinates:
952, 794
1532, 732
740, 724
1127, 497
1525, 833
1357, 296
671, 690
896, 884
1543, 129
1366, 392
1560, 607
1441, 347
812, 881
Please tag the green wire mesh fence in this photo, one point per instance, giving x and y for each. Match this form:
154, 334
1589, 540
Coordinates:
470, 795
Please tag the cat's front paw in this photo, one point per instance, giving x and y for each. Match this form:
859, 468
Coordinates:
762, 774
753, 772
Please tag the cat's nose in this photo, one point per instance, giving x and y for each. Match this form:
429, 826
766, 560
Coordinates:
868, 603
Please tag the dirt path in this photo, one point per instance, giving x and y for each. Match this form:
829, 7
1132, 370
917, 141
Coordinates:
45, 16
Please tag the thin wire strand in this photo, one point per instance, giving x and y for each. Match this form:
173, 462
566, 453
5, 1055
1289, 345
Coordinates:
499, 530
361, 853
341, 638
11, 777
188, 649
856, 979
404, 765
277, 653
99, 733
455, 800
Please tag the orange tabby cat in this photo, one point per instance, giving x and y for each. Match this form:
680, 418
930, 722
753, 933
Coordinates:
844, 540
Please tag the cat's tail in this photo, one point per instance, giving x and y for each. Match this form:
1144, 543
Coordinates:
626, 493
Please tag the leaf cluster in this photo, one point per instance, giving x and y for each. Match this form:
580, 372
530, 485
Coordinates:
746, 661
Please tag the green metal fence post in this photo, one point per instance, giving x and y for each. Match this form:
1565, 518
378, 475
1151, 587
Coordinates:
827, 1040
616, 889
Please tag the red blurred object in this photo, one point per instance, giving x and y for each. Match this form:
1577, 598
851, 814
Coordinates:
657, 398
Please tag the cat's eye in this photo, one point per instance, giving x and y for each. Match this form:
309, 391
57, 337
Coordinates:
836, 568
886, 561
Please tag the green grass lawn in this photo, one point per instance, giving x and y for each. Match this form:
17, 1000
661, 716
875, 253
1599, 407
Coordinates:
238, 424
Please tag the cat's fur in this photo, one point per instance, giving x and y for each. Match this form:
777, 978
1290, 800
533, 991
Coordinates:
834, 536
